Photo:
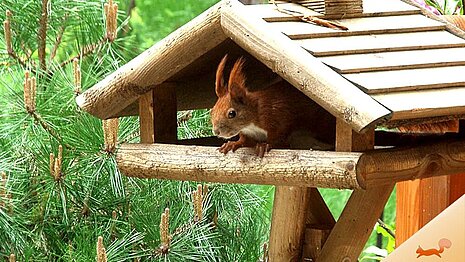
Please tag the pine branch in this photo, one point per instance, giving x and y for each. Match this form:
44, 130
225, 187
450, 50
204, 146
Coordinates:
50, 130
8, 39
59, 37
85, 52
42, 36
19, 60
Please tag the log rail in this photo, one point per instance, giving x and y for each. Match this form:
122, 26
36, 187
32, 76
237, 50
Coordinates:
306, 168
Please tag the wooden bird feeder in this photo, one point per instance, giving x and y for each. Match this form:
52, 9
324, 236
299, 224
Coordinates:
395, 66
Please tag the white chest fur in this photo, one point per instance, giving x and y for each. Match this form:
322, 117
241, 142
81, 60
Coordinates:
255, 132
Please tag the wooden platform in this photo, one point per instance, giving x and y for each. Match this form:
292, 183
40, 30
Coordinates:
409, 63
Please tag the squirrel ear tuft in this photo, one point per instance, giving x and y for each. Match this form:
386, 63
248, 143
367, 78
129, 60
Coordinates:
237, 79
220, 85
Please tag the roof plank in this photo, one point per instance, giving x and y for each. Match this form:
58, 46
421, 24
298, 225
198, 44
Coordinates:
396, 60
380, 43
409, 79
424, 103
360, 26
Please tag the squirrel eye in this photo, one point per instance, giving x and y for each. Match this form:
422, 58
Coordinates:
232, 113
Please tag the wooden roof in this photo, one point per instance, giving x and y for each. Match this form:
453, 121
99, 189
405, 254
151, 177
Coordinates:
393, 64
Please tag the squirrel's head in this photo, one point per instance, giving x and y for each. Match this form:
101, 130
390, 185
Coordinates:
233, 110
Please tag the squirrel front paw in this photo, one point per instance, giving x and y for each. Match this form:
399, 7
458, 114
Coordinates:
230, 145
262, 148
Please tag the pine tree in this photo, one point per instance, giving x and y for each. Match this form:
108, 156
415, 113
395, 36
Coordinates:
62, 197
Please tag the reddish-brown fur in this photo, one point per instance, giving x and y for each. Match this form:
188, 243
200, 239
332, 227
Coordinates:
278, 109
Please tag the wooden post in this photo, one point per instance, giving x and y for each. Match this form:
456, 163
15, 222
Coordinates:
353, 228
319, 223
457, 187
146, 118
158, 115
165, 113
288, 223
419, 201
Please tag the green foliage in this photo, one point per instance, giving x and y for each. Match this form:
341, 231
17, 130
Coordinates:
391, 244
375, 253
154, 19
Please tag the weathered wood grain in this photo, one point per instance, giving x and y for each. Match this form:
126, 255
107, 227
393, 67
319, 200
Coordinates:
380, 43
288, 223
146, 122
381, 167
278, 167
409, 79
387, 61
352, 230
304, 168
319, 222
424, 103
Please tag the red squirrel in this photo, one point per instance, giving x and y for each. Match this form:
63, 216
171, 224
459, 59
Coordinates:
264, 118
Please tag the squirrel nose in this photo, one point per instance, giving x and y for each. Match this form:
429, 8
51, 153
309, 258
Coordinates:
216, 131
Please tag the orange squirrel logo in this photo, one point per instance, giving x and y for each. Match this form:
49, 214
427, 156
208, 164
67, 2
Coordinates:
443, 243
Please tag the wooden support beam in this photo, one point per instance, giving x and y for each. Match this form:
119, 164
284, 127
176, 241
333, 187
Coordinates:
329, 89
146, 127
288, 223
304, 168
347, 140
381, 167
293, 167
155, 65
319, 223
157, 115
352, 230
419, 201
165, 114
